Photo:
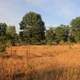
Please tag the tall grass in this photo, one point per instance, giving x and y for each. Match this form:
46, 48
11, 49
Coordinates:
68, 73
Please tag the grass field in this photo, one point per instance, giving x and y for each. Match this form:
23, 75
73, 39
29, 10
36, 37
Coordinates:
41, 62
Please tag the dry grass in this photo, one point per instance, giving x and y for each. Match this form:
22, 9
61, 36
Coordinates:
45, 62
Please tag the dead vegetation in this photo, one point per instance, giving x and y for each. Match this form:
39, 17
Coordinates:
45, 62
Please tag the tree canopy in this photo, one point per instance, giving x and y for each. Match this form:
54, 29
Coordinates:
3, 27
33, 27
33, 31
75, 23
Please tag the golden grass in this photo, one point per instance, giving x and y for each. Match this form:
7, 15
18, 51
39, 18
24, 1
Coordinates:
41, 62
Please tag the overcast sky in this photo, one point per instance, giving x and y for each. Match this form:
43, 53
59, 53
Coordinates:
53, 12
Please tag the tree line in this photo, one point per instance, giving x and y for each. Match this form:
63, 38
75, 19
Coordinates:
33, 31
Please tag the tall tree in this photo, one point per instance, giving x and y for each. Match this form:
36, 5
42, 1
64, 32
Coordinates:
75, 23
57, 34
11, 34
33, 28
11, 30
50, 35
60, 33
3, 27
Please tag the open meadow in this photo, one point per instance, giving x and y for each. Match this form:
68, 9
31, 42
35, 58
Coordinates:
41, 62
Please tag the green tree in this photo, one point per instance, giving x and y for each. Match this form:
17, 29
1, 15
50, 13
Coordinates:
11, 30
3, 42
50, 35
60, 33
33, 28
11, 34
57, 34
3, 27
75, 23
76, 36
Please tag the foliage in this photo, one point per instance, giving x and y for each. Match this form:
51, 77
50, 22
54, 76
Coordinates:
3, 27
33, 31
33, 28
11, 34
7, 36
50, 35
57, 34
75, 23
3, 42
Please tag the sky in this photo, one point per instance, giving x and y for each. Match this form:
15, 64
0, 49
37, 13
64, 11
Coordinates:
53, 12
